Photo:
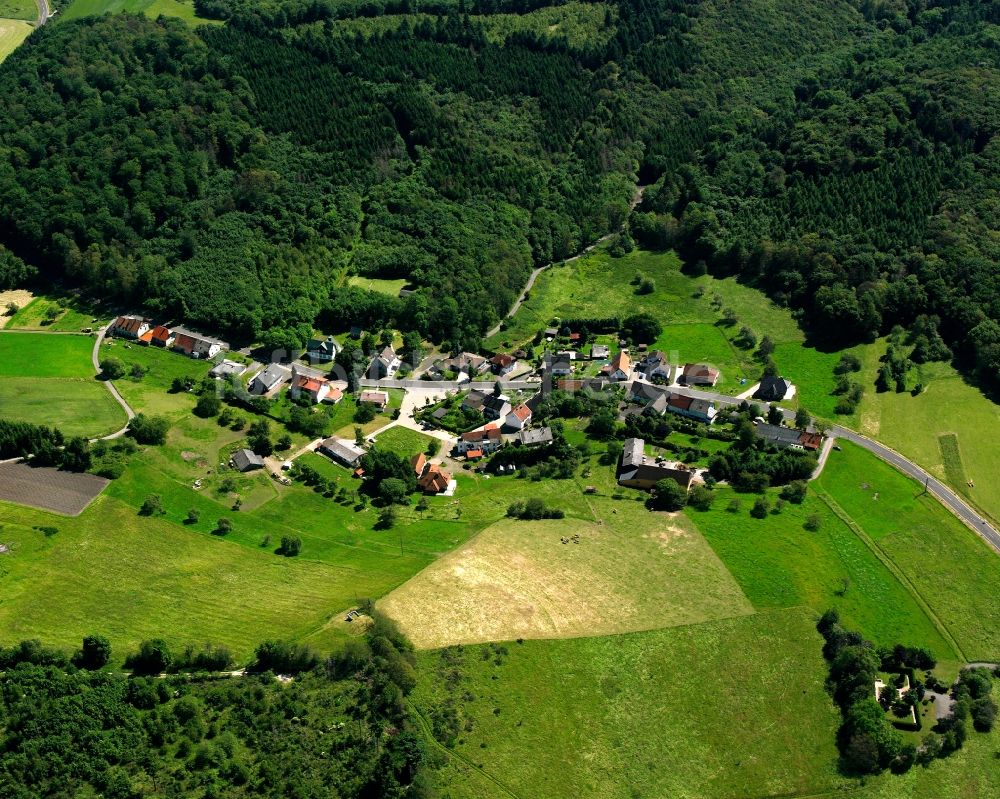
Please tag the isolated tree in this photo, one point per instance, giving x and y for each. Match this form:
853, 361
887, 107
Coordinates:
223, 527
192, 516
774, 415
152, 506
208, 405
290, 546
112, 368
760, 508
149, 429
766, 348
701, 497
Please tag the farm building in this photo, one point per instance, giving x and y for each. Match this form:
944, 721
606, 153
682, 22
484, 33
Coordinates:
637, 470
196, 345
246, 460
343, 452
788, 437
128, 327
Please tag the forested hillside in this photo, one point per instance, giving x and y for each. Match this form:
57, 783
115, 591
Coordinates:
839, 155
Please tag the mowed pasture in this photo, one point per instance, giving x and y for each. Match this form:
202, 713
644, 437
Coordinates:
19, 9
132, 577
403, 441
77, 406
709, 711
630, 570
781, 564
951, 568
12, 33
948, 406
48, 379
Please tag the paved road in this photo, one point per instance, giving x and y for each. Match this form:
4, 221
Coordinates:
43, 12
945, 495
95, 356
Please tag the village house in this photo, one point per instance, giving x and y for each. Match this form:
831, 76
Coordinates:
599, 352
536, 436
788, 437
431, 477
486, 440
772, 389
496, 406
559, 366
474, 400
620, 368
268, 380
384, 365
583, 384
322, 350
637, 470
224, 369
379, 399
195, 345
518, 418
343, 452
655, 366
503, 364
693, 408
650, 398
161, 336
246, 460
699, 374
467, 362
315, 388
128, 327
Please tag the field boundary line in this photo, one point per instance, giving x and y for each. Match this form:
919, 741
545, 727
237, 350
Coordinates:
425, 727
890, 564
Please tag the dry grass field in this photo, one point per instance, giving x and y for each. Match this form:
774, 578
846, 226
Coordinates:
631, 570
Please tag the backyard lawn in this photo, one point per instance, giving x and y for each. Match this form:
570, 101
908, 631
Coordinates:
403, 441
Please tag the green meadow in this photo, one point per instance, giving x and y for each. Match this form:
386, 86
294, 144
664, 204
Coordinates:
403, 441
721, 709
63, 314
781, 564
49, 379
19, 9
183, 9
949, 566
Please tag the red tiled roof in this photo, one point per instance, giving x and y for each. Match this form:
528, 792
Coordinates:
489, 433
418, 462
622, 361
129, 324
434, 479
308, 383
680, 401
522, 412
146, 337
184, 342
474, 453
811, 440
335, 395
700, 370
160, 333
503, 359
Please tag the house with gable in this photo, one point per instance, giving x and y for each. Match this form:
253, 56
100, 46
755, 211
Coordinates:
128, 327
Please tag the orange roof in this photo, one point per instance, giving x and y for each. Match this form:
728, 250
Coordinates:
160, 333
522, 412
146, 337
435, 479
489, 433
184, 342
474, 453
309, 383
418, 461
130, 324
622, 361
335, 394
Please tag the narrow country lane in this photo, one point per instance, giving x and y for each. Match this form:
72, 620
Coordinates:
95, 357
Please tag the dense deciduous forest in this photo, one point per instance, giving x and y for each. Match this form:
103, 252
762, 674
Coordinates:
840, 155
341, 729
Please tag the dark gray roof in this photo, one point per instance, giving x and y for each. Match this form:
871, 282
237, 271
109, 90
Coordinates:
343, 451
781, 436
245, 460
539, 435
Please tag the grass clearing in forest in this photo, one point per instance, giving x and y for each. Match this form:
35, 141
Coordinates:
709, 711
51, 314
182, 9
629, 570
389, 287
